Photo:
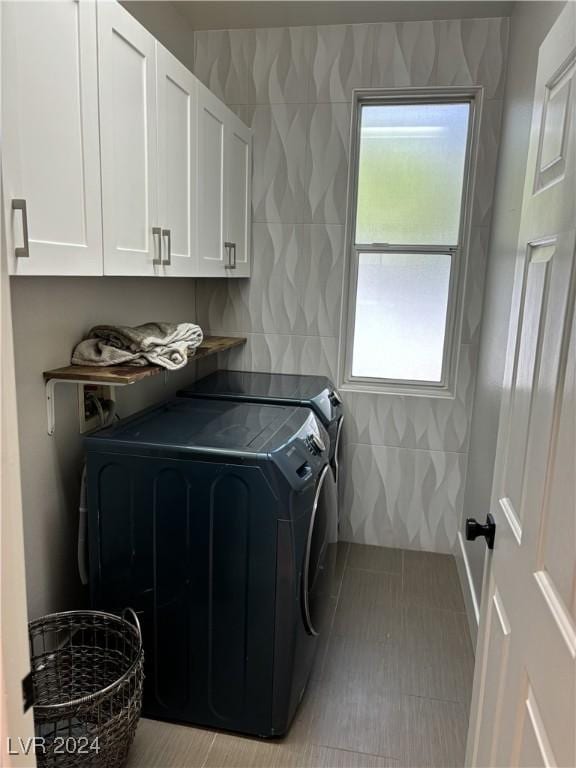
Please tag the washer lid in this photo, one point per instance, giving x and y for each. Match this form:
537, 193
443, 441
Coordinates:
316, 392
203, 426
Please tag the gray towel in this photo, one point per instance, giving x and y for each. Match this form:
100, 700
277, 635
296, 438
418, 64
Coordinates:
165, 344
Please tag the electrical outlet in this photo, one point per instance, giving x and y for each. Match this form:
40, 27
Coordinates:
88, 412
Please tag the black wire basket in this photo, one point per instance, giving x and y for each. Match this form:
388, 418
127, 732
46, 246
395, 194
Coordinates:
87, 674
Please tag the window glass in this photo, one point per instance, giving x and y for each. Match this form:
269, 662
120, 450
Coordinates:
401, 310
411, 171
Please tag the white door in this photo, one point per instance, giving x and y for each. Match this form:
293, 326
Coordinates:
127, 78
177, 136
238, 206
15, 724
14, 648
213, 256
523, 706
51, 153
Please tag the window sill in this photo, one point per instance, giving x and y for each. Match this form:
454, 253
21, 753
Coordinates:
428, 392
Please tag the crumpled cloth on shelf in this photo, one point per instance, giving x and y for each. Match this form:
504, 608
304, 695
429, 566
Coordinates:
168, 345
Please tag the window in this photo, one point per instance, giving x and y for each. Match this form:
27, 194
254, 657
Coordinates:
409, 190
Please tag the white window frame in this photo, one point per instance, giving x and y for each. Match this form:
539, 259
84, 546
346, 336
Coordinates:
459, 253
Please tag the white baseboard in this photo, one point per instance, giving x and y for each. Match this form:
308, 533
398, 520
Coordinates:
467, 584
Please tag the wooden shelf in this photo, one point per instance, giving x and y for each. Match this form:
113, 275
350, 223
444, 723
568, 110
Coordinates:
130, 374
123, 375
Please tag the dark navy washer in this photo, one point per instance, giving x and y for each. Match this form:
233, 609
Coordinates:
314, 392
210, 519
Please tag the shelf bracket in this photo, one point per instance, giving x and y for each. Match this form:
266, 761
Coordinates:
50, 387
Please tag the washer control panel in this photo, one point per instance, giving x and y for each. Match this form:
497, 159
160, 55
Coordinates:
305, 454
315, 444
335, 397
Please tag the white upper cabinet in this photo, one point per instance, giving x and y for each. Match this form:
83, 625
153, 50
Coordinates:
116, 159
238, 177
212, 116
51, 154
224, 185
128, 131
177, 139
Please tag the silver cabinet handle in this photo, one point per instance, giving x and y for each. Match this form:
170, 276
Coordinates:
22, 252
229, 247
167, 235
157, 235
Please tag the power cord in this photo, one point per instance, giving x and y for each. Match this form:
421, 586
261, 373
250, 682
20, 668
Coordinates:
106, 409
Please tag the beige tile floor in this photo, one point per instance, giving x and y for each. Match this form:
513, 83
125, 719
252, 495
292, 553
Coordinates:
391, 686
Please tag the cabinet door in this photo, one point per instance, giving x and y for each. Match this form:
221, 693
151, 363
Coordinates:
212, 115
127, 77
51, 157
239, 196
177, 135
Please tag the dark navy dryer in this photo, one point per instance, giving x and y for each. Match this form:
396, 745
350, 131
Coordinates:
314, 392
210, 518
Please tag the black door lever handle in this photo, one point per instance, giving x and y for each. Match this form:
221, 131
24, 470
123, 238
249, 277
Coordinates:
475, 529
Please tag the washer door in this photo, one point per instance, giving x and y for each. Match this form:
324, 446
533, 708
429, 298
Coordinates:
316, 581
335, 461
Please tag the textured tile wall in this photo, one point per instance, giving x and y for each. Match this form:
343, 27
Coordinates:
404, 457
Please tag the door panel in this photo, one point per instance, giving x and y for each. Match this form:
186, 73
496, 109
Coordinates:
546, 274
534, 748
527, 354
128, 139
177, 136
238, 190
523, 714
558, 528
555, 128
51, 155
212, 116
497, 650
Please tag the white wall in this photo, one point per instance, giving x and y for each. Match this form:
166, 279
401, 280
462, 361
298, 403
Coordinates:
50, 315
529, 24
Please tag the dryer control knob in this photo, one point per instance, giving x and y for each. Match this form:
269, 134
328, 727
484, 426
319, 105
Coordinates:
335, 397
315, 444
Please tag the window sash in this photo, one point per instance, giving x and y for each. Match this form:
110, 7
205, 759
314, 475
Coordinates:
454, 253
458, 252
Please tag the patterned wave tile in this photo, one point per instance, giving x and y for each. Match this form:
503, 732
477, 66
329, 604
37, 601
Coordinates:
295, 287
279, 154
474, 289
325, 63
256, 66
341, 61
474, 51
327, 163
487, 162
222, 60
429, 423
283, 353
280, 70
245, 112
269, 300
397, 497
323, 262
442, 53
